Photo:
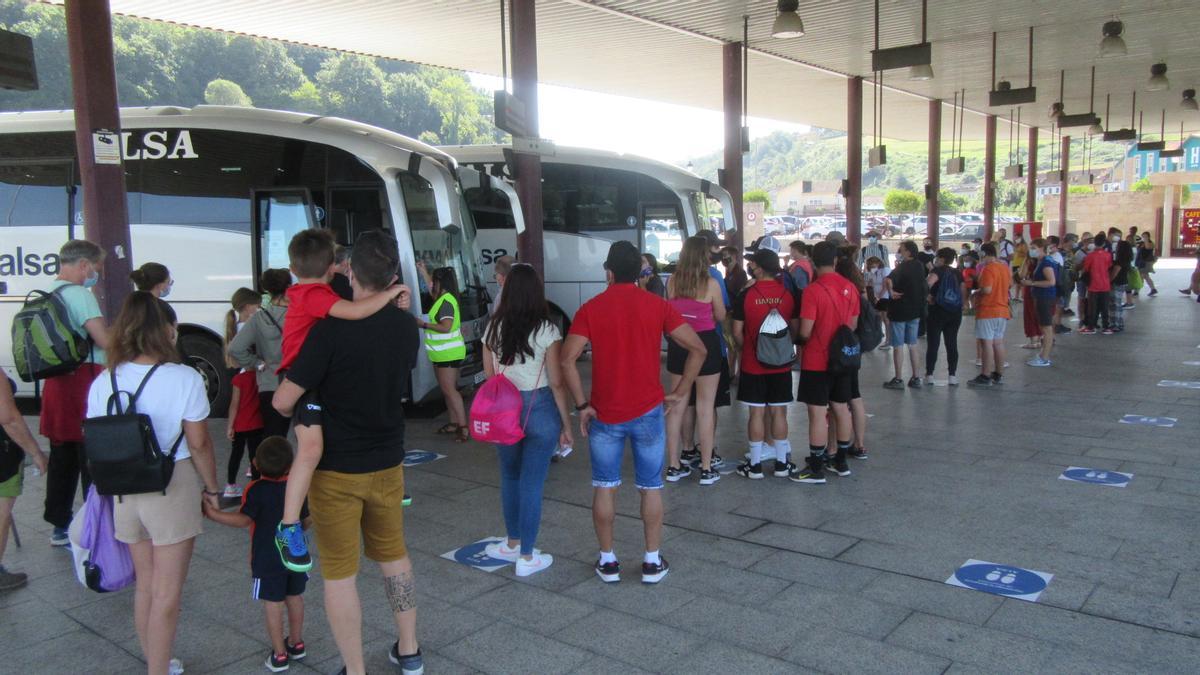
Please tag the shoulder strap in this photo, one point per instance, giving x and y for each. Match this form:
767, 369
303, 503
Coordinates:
266, 311
136, 394
114, 400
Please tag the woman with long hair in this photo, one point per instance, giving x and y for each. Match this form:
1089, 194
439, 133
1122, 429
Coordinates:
259, 346
697, 296
444, 344
153, 278
159, 527
521, 343
649, 279
1146, 257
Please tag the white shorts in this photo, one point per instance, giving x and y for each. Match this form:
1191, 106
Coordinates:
990, 329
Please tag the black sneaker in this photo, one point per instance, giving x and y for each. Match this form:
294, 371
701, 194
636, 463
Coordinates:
709, 476
276, 663
748, 470
811, 473
996, 379
410, 664
914, 382
980, 381
894, 383
674, 474
653, 573
783, 469
296, 651
691, 456
717, 461
609, 572
837, 464
858, 453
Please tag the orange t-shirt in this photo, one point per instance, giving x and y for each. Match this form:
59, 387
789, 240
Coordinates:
994, 305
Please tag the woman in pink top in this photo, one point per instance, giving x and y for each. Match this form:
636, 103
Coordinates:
697, 296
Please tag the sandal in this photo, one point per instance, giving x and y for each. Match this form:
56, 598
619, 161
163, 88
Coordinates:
450, 428
464, 435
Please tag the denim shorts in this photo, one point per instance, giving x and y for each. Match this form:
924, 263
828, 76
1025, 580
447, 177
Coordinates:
990, 329
904, 332
648, 438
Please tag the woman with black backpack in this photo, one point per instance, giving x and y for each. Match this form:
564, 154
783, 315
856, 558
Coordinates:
159, 526
945, 314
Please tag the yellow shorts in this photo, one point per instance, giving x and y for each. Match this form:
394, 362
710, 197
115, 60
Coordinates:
355, 512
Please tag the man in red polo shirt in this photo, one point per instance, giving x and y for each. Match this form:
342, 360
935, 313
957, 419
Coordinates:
830, 301
625, 326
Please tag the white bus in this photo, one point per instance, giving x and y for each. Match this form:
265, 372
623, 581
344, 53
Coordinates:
215, 193
591, 198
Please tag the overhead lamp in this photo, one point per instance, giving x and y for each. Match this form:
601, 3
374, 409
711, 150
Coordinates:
1189, 100
1056, 110
920, 54
787, 23
1113, 44
1158, 78
1003, 94
1096, 129
921, 73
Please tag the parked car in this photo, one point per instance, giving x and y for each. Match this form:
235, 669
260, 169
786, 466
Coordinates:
818, 232
917, 225
968, 232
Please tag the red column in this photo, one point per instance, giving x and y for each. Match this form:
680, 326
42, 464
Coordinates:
94, 86
989, 178
854, 136
731, 75
529, 167
1066, 184
1031, 176
932, 210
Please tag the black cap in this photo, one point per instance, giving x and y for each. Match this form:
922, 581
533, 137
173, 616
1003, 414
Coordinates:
767, 260
710, 237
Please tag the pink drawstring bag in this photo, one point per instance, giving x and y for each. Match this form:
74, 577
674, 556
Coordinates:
496, 411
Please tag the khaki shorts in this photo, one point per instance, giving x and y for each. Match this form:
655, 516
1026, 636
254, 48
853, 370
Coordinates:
163, 519
355, 512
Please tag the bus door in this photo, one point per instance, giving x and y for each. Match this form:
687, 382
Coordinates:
279, 213
352, 211
662, 231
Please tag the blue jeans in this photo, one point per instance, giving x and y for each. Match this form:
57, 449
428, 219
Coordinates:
648, 438
523, 467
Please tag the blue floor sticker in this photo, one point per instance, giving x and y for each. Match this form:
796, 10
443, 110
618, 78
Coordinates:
474, 555
1006, 580
1096, 476
1176, 384
1165, 422
418, 457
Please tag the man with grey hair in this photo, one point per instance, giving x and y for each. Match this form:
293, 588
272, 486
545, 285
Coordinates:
64, 397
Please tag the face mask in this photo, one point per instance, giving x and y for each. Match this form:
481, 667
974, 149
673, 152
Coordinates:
872, 240
969, 263
714, 258
1035, 253
1091, 247
165, 293
872, 269
92, 279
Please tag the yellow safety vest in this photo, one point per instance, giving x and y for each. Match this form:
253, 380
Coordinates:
445, 347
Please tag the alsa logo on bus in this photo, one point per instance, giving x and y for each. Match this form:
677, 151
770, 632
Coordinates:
154, 144
23, 264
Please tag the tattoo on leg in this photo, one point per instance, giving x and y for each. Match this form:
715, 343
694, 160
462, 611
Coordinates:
400, 592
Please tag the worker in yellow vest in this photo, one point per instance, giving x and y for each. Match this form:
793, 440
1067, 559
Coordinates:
445, 345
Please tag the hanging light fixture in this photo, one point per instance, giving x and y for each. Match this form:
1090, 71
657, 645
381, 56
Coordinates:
1113, 44
921, 73
787, 22
1158, 78
1189, 100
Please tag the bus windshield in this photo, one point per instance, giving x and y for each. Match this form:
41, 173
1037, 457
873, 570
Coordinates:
437, 247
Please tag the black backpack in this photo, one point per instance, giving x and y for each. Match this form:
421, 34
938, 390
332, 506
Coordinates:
845, 350
123, 454
870, 329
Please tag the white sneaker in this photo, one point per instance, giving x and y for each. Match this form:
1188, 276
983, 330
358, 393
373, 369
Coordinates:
537, 563
175, 667
232, 491
768, 453
978, 362
952, 381
248, 473
501, 551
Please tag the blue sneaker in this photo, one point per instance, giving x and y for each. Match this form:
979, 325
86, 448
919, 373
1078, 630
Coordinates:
410, 664
293, 549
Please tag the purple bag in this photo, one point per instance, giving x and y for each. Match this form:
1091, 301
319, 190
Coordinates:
107, 565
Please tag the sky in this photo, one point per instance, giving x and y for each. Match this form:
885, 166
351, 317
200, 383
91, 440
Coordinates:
662, 131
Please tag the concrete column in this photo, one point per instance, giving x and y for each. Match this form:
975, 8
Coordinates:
1066, 184
854, 134
935, 171
94, 89
989, 178
523, 32
731, 76
1031, 176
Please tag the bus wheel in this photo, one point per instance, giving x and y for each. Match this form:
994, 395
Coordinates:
206, 356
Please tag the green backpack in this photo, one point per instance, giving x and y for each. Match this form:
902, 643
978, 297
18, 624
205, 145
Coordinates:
42, 340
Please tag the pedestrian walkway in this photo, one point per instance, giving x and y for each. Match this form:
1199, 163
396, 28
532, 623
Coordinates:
769, 576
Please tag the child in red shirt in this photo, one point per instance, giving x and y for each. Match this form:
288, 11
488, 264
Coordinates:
244, 429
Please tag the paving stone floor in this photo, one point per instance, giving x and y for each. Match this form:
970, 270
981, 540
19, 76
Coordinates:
770, 576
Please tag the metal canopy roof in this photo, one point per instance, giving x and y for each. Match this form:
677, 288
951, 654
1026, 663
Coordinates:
670, 50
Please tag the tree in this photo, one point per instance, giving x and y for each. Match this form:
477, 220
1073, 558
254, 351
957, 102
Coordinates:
902, 182
1143, 185
948, 202
901, 201
1081, 190
758, 196
225, 92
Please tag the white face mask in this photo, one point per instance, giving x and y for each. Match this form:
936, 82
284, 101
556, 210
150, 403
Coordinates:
1035, 253
1091, 247
872, 240
969, 263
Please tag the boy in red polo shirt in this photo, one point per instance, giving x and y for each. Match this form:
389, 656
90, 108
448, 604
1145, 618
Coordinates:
830, 302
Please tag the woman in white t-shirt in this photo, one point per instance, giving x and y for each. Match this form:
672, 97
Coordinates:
159, 528
521, 343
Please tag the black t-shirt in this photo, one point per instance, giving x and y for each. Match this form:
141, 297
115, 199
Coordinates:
263, 502
360, 371
340, 284
909, 279
926, 258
